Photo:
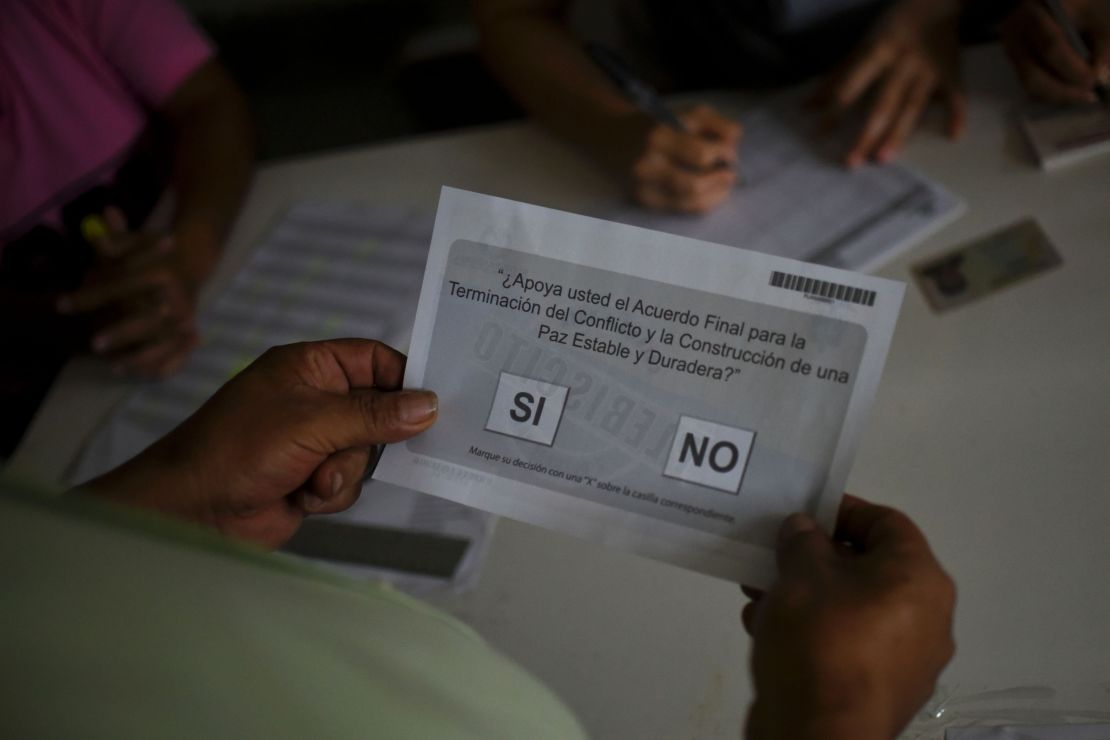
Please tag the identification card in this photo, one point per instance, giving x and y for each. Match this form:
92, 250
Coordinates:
985, 264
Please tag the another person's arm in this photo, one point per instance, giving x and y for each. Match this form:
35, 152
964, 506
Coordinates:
530, 49
292, 435
213, 155
910, 57
152, 280
143, 291
1049, 66
849, 642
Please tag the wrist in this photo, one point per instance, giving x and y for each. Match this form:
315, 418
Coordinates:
792, 722
838, 700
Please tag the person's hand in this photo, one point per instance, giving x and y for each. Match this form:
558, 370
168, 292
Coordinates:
291, 435
910, 57
689, 171
144, 296
850, 640
1049, 67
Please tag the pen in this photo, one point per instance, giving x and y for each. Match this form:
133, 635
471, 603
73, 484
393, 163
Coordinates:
93, 228
1075, 41
639, 93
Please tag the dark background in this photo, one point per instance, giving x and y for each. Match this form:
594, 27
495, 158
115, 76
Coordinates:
326, 74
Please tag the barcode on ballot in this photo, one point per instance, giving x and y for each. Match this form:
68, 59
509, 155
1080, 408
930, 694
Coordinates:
823, 288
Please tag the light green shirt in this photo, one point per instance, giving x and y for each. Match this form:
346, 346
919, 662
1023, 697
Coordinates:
114, 624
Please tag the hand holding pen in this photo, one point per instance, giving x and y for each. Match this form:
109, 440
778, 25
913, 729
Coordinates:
1061, 49
688, 161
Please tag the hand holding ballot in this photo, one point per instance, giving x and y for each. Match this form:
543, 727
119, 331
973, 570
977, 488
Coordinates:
850, 640
590, 381
291, 435
847, 642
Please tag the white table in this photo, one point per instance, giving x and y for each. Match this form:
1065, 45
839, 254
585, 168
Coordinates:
990, 429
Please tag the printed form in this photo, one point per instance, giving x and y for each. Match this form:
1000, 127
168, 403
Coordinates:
650, 392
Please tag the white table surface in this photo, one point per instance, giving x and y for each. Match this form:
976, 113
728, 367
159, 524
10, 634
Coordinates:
991, 429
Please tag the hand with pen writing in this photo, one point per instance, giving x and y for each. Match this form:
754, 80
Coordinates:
1052, 67
910, 57
850, 640
140, 295
690, 170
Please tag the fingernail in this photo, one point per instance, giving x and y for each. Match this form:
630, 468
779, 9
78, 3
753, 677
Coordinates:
885, 154
417, 406
64, 304
311, 502
794, 525
336, 484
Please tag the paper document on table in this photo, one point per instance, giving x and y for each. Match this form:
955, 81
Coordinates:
798, 200
326, 269
654, 393
1029, 732
419, 542
1066, 135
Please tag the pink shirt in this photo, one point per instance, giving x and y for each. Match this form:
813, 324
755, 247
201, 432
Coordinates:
78, 79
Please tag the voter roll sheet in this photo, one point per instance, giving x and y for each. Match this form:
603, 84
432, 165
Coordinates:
657, 394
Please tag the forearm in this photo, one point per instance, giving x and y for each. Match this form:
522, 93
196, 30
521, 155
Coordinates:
212, 160
139, 483
158, 479
530, 50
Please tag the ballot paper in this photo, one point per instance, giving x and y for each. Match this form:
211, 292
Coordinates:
796, 198
326, 269
1029, 732
654, 393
